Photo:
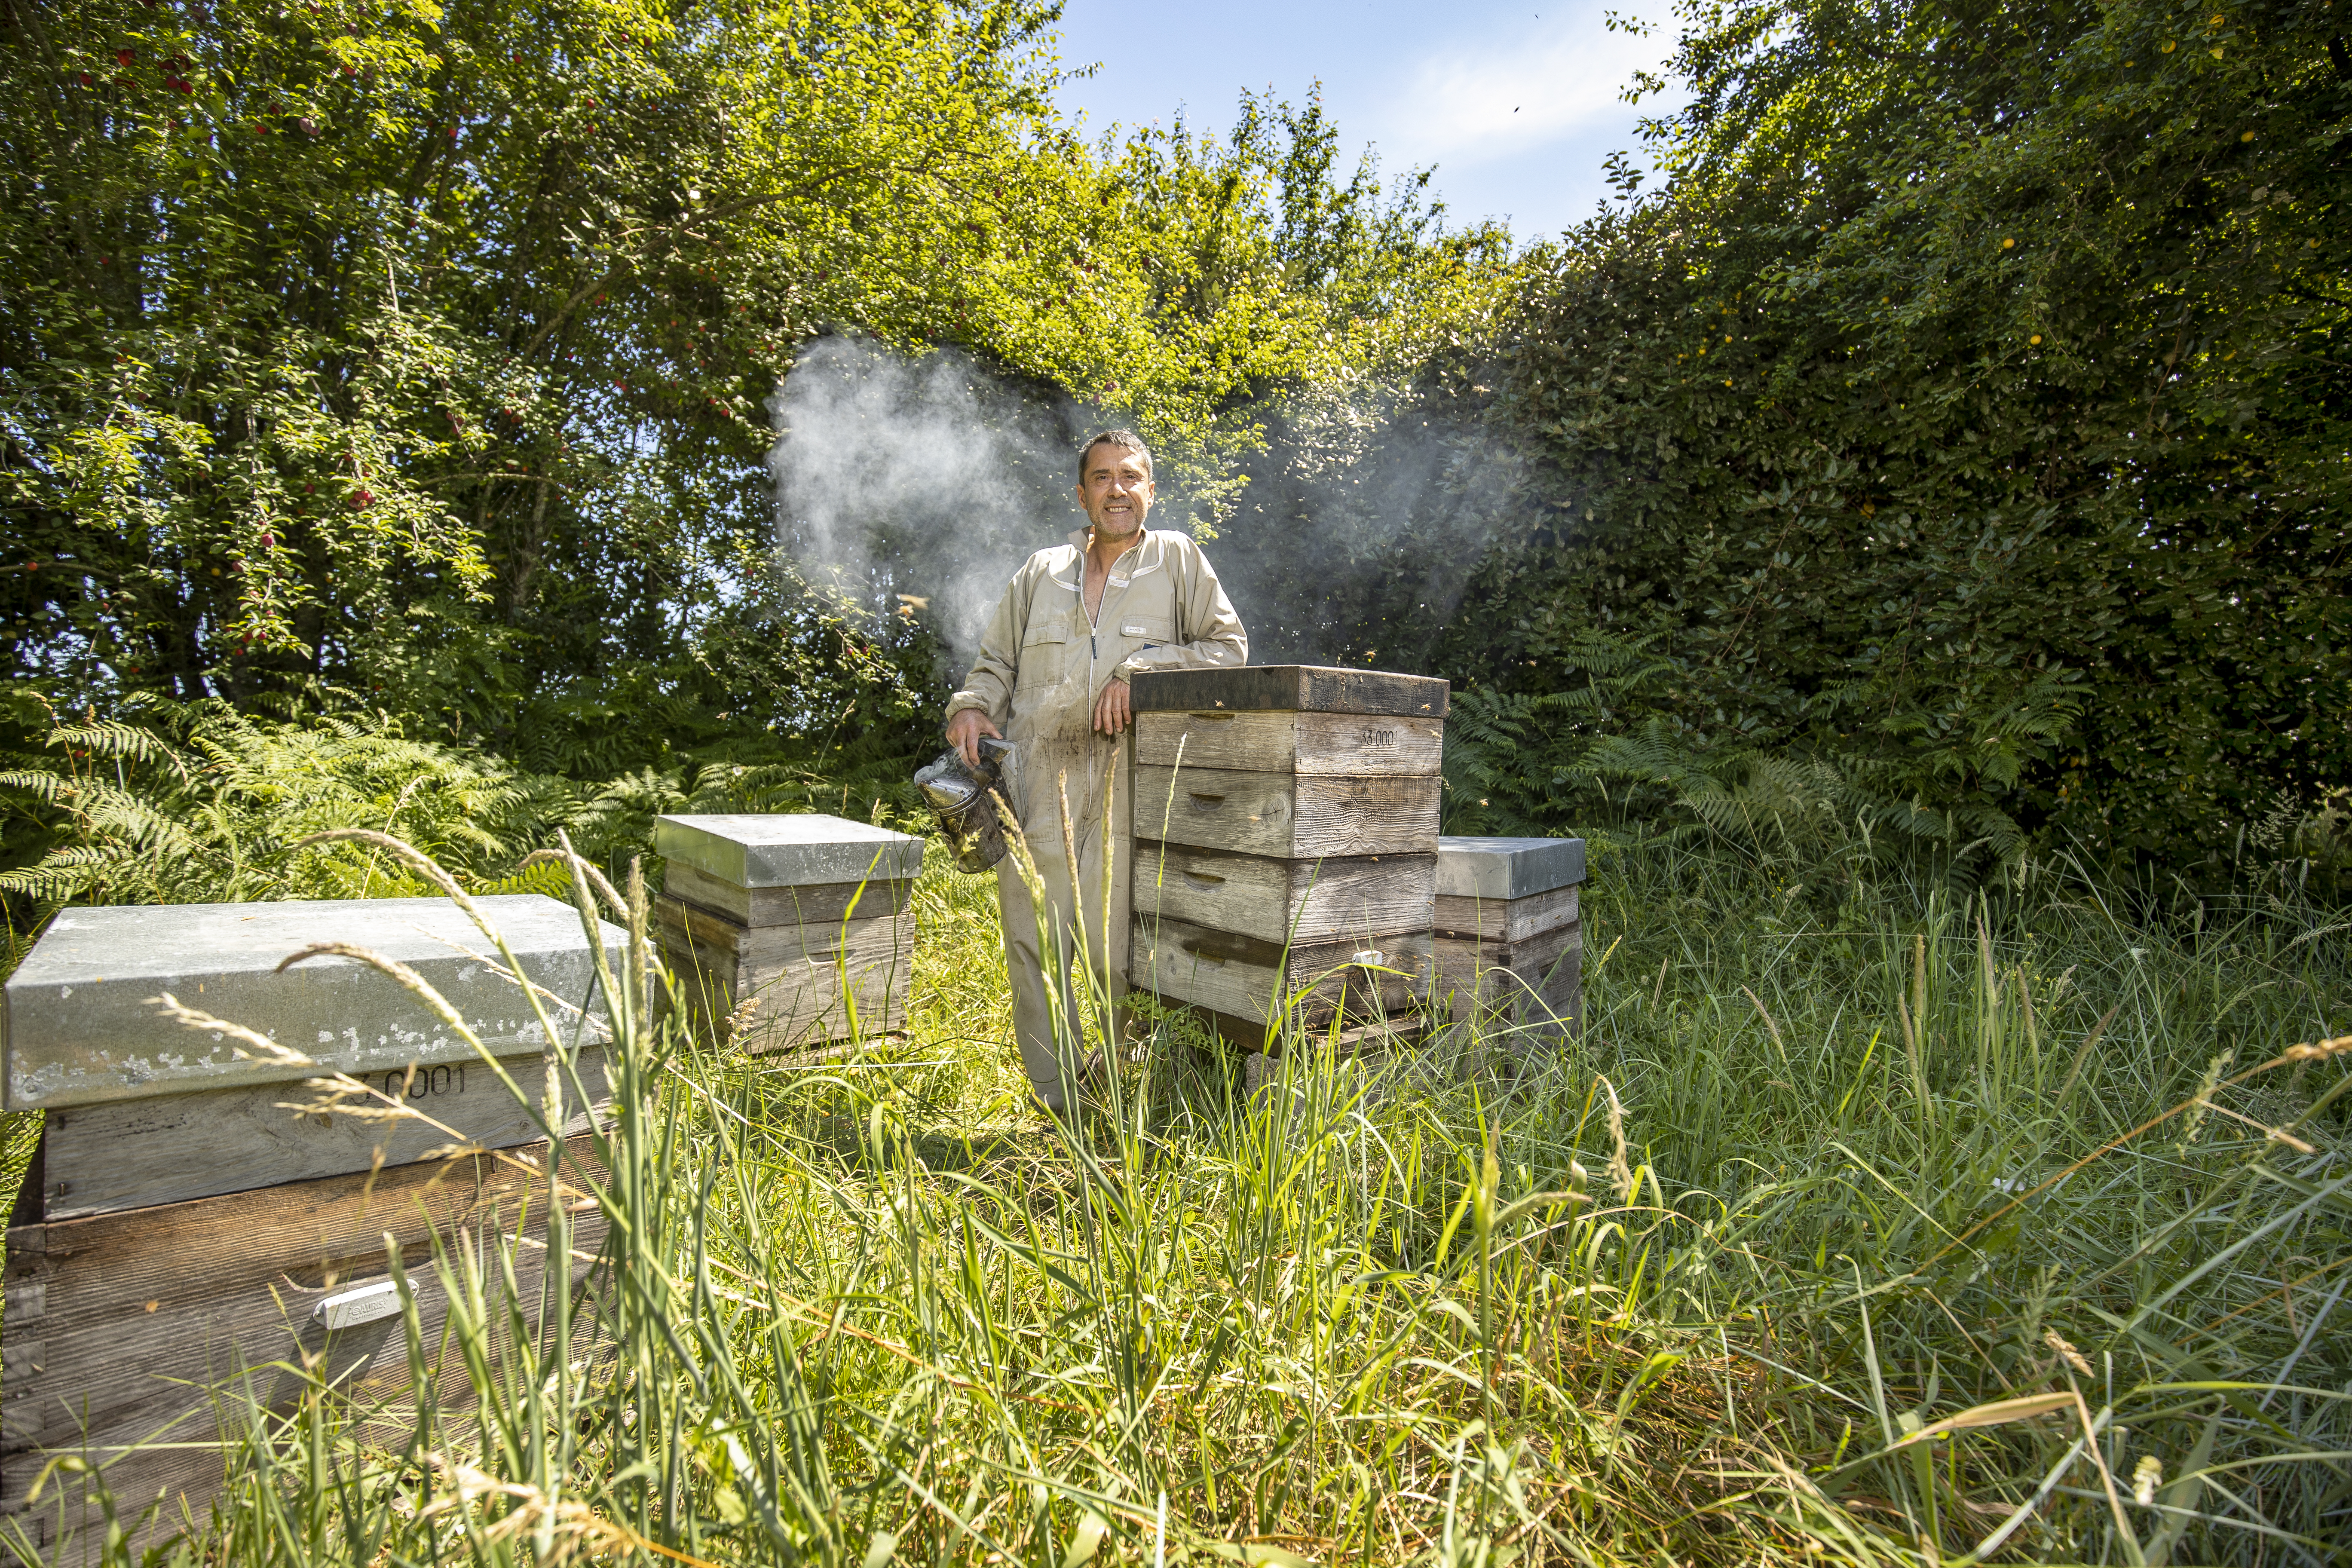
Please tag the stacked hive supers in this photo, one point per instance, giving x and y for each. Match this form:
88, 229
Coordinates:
1286, 825
791, 930
1510, 943
193, 1210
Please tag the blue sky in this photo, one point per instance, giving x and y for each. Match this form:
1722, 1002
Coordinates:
1516, 104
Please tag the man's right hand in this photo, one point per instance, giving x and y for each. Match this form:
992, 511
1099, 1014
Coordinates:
966, 730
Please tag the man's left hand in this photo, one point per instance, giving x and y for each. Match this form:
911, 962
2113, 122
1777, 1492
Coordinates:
1112, 709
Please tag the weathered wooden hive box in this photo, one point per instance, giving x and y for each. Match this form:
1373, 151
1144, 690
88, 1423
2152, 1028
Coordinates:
1510, 945
789, 930
196, 1211
1285, 826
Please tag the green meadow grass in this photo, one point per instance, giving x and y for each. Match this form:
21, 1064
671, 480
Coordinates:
1933, 1229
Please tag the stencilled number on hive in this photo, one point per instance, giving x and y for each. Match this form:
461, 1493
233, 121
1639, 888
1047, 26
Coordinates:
421, 1082
1373, 735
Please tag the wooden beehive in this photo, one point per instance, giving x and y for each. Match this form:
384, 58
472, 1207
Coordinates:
789, 930
195, 1210
1285, 820
1509, 944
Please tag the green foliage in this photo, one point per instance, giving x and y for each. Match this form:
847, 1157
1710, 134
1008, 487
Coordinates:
1965, 423
1516, 757
1732, 1278
203, 802
429, 354
426, 352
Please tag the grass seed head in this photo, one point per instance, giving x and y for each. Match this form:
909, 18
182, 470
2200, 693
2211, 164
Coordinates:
2071, 1356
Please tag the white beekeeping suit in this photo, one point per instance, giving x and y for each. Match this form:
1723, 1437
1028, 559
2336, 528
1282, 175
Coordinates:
1041, 666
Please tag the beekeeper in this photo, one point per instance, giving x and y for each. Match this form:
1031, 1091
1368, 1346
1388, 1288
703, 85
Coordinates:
1076, 621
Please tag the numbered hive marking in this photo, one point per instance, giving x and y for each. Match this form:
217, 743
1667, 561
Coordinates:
1308, 903
789, 931
1254, 980
121, 1154
1510, 945
1286, 816
130, 1330
1340, 744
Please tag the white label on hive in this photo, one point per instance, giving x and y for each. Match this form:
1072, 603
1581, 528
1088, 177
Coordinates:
349, 1309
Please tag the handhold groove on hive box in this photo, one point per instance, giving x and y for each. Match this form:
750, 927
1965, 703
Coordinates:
1286, 816
1346, 744
1303, 901
1250, 978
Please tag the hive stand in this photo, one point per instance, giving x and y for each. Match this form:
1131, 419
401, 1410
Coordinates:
789, 931
1510, 945
1286, 825
195, 1209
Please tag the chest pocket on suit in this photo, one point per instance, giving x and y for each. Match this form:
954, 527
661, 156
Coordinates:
1153, 629
1042, 648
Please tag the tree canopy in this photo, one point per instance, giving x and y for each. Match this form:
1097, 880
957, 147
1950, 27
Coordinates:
1960, 444
1951, 453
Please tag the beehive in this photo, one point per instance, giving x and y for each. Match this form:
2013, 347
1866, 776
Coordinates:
1286, 824
1509, 942
789, 930
192, 1211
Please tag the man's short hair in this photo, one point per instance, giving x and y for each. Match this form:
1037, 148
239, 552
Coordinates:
1124, 440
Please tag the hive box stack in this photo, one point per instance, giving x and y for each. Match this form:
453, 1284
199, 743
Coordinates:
1285, 826
790, 930
179, 1223
1510, 946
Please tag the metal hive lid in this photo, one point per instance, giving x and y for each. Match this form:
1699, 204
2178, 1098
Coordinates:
81, 1025
1506, 869
791, 849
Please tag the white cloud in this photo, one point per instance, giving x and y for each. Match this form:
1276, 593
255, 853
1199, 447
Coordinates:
1470, 105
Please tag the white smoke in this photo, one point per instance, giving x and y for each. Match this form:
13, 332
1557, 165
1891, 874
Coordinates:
932, 478
923, 478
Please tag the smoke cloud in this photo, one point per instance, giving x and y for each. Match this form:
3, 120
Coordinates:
1353, 542
927, 479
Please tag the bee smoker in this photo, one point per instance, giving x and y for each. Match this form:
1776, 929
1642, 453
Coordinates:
960, 797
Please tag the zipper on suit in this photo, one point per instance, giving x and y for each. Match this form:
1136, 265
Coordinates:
1094, 622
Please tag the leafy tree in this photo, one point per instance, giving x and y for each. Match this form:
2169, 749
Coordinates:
1968, 416
426, 351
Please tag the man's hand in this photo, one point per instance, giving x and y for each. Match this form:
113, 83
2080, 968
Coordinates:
1112, 709
966, 730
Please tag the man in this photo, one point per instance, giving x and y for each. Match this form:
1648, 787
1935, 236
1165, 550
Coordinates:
1078, 620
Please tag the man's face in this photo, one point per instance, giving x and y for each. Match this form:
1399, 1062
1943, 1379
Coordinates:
1116, 492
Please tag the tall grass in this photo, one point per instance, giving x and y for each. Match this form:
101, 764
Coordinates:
1937, 1230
